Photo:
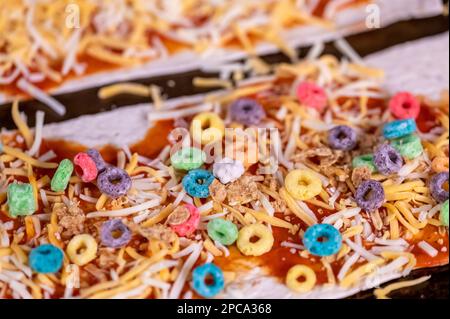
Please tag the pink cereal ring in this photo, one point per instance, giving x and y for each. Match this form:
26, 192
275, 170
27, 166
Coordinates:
191, 224
312, 96
85, 167
404, 106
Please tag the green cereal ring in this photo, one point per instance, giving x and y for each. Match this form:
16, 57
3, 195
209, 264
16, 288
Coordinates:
62, 176
223, 231
444, 213
21, 200
364, 160
409, 146
188, 158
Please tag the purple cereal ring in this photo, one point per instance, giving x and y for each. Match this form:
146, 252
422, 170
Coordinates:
437, 187
114, 233
247, 112
370, 195
342, 137
114, 182
387, 160
98, 159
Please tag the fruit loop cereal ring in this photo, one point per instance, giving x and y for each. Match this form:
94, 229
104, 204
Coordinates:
188, 158
199, 276
98, 160
322, 240
370, 195
443, 217
408, 146
114, 182
207, 128
387, 160
437, 189
247, 112
184, 220
21, 199
85, 167
404, 105
228, 170
364, 160
114, 233
303, 272
46, 259
223, 231
400, 128
342, 137
82, 249
196, 183
303, 184
312, 96
261, 246
62, 176
440, 164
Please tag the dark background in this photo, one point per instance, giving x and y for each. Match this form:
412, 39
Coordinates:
86, 102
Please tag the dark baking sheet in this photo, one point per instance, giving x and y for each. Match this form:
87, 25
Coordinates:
86, 102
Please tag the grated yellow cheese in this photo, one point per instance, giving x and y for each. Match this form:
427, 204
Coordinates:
21, 125
382, 293
110, 91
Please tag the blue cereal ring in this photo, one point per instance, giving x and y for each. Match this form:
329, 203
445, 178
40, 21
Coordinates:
196, 183
400, 128
322, 240
46, 259
199, 276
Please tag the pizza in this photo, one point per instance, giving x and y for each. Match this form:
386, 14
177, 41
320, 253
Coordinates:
311, 181
63, 46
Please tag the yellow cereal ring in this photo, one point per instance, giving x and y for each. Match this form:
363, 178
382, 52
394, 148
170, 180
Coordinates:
304, 272
207, 128
303, 184
440, 164
261, 246
82, 249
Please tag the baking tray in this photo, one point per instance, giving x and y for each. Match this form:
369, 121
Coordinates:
86, 102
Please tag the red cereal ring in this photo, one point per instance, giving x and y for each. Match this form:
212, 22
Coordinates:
312, 95
404, 106
85, 167
188, 226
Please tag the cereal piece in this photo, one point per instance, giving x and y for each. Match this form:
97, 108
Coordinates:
46, 259
158, 232
188, 158
400, 128
82, 249
98, 160
184, 220
223, 231
62, 176
115, 234
408, 146
342, 137
114, 182
303, 184
360, 174
85, 167
218, 191
440, 164
387, 160
228, 170
404, 105
196, 183
303, 272
437, 189
263, 245
247, 112
207, 128
70, 219
21, 200
242, 191
370, 195
312, 96
199, 276
443, 216
364, 161
322, 240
